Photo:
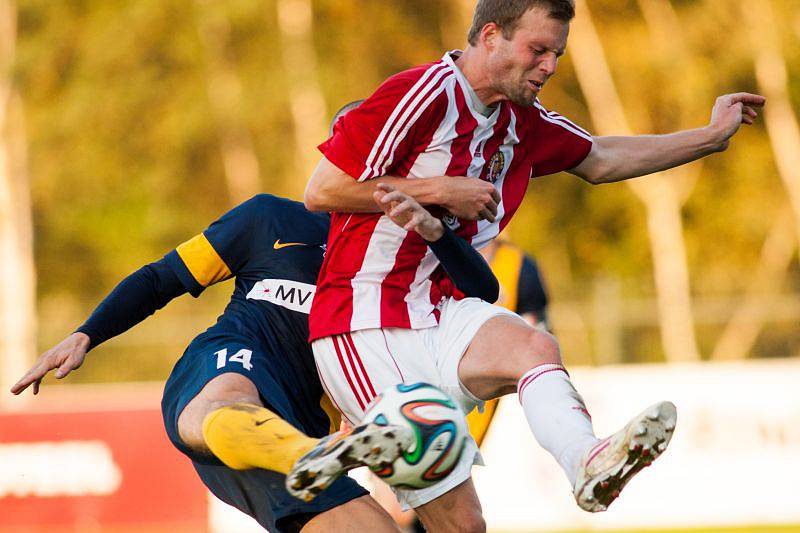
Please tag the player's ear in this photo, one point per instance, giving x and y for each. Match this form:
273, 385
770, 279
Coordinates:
489, 35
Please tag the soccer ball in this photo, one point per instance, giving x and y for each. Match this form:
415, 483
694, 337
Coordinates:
438, 425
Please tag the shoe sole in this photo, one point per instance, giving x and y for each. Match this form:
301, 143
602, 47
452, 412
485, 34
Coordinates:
648, 436
374, 446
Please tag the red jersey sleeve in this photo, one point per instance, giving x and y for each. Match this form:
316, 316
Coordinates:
374, 138
555, 143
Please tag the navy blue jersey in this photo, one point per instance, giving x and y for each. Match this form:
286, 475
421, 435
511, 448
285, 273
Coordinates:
274, 248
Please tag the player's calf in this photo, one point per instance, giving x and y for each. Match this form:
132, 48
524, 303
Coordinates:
227, 419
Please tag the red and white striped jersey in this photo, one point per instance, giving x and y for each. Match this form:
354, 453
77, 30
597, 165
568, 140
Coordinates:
422, 123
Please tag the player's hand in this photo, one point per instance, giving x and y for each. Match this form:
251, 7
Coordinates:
65, 357
730, 111
470, 198
407, 213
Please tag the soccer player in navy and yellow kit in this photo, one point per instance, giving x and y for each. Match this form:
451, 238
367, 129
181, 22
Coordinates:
244, 401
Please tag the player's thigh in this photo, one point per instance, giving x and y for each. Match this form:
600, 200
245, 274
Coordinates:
214, 371
357, 366
499, 352
225, 389
356, 516
458, 510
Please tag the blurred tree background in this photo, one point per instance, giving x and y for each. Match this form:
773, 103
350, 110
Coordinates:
145, 120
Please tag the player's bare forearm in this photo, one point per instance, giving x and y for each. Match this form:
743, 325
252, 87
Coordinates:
331, 189
619, 158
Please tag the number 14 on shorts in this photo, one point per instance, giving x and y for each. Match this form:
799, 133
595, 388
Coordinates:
242, 356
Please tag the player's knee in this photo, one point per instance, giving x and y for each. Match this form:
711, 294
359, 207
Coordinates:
533, 348
221, 391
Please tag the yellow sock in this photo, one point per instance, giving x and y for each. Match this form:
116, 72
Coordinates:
244, 435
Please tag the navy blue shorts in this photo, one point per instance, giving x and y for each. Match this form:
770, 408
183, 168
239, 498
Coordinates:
257, 492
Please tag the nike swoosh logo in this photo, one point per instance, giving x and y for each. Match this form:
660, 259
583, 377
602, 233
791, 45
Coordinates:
278, 244
260, 422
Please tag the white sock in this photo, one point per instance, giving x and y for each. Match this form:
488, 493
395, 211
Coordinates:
557, 415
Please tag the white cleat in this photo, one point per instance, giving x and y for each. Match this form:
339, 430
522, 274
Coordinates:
608, 466
369, 445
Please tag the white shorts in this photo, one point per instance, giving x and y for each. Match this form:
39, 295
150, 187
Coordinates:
355, 367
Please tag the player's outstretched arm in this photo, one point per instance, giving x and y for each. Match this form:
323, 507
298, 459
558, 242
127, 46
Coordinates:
64, 357
135, 298
332, 189
619, 158
465, 266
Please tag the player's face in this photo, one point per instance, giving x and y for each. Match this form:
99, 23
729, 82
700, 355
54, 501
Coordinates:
519, 67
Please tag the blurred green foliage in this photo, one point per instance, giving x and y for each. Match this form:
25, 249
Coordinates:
125, 156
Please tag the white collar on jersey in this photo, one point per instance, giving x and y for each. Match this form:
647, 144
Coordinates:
475, 102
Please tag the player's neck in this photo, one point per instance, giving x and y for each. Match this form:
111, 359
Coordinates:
471, 63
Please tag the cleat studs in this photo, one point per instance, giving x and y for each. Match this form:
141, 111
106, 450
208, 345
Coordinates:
661, 446
653, 414
615, 494
640, 430
645, 452
604, 484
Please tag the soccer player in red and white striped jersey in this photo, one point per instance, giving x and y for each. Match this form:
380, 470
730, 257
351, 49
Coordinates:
467, 133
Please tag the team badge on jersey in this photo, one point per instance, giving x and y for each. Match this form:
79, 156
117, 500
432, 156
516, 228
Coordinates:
496, 165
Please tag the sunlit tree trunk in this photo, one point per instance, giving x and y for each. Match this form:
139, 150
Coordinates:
306, 101
781, 121
225, 95
659, 193
741, 332
17, 277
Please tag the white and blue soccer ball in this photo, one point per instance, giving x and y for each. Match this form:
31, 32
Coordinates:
439, 428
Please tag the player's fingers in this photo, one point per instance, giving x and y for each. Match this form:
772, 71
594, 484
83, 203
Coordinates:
749, 111
378, 197
495, 196
66, 367
394, 196
415, 221
35, 373
385, 187
747, 98
747, 120
401, 208
492, 206
485, 214
36, 385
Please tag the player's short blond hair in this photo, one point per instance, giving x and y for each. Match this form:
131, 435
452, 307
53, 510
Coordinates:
506, 14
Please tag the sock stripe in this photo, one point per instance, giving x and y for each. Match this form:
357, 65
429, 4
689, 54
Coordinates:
527, 380
599, 447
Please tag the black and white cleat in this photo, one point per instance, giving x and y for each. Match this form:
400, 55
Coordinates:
608, 466
371, 445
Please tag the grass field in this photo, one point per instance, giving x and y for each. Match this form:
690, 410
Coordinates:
748, 529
